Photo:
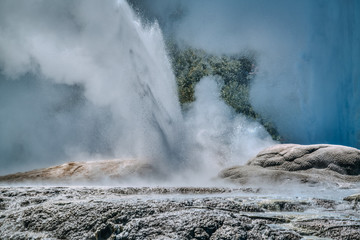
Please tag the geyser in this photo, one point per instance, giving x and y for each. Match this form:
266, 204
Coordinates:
86, 79
82, 75
308, 56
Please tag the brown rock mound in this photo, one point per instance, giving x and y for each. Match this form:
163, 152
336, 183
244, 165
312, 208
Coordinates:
307, 163
85, 171
293, 157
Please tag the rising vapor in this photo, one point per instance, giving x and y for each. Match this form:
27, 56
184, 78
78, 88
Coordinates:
307, 54
87, 79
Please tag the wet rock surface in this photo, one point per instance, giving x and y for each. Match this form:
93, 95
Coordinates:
305, 163
169, 213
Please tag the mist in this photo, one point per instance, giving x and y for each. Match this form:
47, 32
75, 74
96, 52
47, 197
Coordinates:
307, 56
81, 82
87, 80
220, 136
90, 80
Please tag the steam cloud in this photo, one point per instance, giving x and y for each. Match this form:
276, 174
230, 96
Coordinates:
77, 80
85, 79
308, 56
218, 132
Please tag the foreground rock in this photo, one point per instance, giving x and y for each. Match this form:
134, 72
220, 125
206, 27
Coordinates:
168, 213
90, 171
305, 163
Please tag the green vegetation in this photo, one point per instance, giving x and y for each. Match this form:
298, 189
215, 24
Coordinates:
190, 65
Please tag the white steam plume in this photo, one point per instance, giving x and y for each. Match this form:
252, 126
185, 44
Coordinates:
86, 79
308, 53
220, 136
121, 68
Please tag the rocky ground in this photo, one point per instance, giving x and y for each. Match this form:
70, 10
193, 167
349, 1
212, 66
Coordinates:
287, 191
172, 213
